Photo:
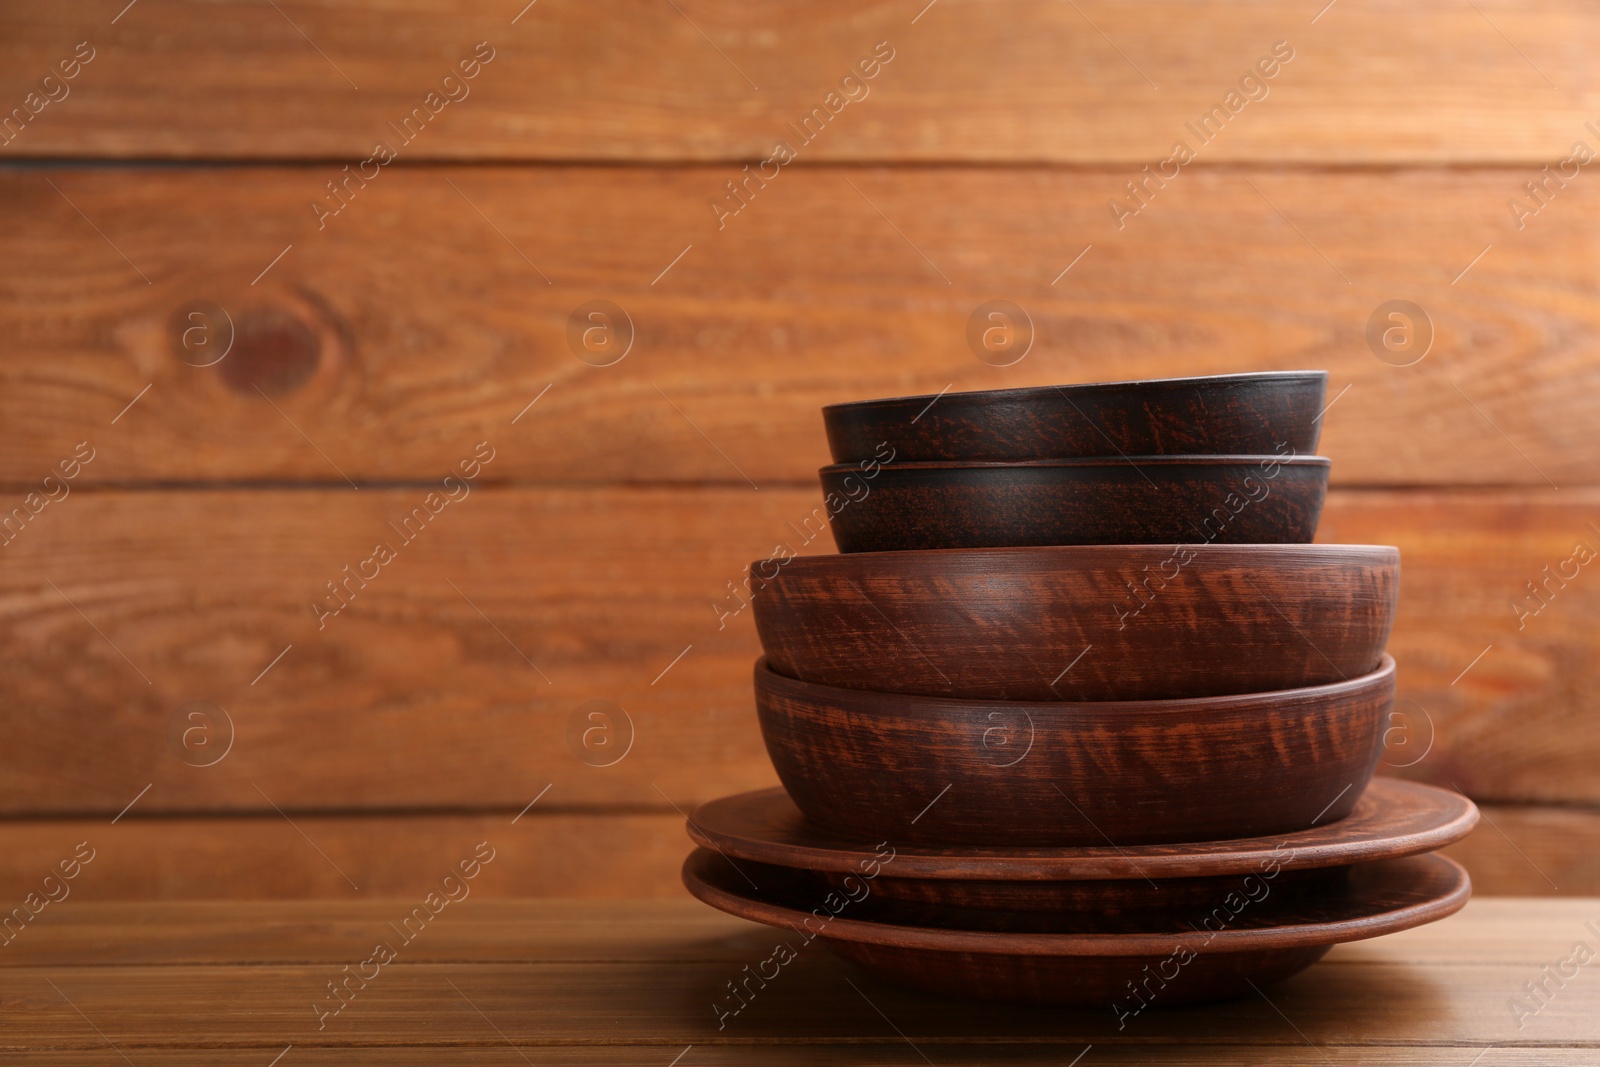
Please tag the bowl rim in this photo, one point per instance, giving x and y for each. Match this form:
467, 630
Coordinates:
1007, 559
1178, 459
1451, 817
988, 396
906, 704
1241, 939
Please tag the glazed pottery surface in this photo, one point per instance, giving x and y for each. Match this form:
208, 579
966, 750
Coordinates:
932, 770
1099, 622
1123, 500
1189, 964
1393, 818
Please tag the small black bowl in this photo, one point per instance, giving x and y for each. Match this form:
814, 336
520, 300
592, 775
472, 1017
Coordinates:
1138, 500
1223, 414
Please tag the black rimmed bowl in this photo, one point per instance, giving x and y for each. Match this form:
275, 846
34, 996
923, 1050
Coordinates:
1237, 414
1135, 500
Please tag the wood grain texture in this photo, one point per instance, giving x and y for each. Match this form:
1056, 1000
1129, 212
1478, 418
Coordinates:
864, 1055
1371, 82
1495, 694
461, 677
410, 698
1532, 850
341, 858
408, 329
483, 927
1434, 990
1528, 851
569, 930
440, 306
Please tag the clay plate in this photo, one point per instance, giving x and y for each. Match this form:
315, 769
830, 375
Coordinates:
1393, 818
932, 770
1218, 414
1122, 971
1079, 907
1101, 622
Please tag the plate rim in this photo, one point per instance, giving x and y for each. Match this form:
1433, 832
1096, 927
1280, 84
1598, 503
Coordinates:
1006, 943
1107, 863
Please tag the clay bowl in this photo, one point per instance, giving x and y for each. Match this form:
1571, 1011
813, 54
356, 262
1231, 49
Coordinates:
1170, 963
1133, 500
1106, 622
940, 771
1224, 414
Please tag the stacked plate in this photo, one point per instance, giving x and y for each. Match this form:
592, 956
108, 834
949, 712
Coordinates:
1079, 715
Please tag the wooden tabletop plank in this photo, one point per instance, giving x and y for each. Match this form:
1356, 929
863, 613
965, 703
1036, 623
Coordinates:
1383, 993
812, 1055
673, 1003
1496, 930
478, 930
396, 348
1368, 82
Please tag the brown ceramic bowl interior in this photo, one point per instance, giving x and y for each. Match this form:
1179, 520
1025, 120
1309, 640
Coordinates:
1105, 501
1218, 414
1102, 622
941, 771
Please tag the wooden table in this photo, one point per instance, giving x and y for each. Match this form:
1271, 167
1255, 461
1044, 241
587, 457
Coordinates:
571, 982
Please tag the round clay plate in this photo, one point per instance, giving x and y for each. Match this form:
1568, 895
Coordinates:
1194, 958
1393, 818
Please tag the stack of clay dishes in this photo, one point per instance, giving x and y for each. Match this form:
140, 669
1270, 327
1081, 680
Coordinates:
1079, 714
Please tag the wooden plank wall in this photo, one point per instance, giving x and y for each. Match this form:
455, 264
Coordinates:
171, 199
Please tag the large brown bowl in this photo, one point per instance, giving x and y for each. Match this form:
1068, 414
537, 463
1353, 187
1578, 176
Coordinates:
1106, 622
1223, 414
932, 770
1123, 971
1132, 500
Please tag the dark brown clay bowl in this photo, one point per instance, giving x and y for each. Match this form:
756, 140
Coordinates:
1131, 500
1125, 971
1224, 414
931, 770
1106, 622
